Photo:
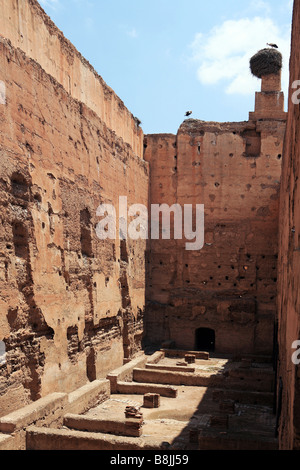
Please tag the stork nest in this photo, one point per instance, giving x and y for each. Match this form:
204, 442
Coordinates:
266, 62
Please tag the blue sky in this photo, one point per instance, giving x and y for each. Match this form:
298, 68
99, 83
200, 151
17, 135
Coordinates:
164, 57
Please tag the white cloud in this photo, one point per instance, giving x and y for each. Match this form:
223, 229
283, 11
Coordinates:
224, 53
260, 5
132, 33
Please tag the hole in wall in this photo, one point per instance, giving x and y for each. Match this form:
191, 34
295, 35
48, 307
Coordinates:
205, 339
20, 240
85, 233
123, 251
252, 141
19, 186
37, 198
91, 365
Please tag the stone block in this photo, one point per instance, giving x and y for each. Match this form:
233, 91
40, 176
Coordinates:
190, 358
133, 413
151, 400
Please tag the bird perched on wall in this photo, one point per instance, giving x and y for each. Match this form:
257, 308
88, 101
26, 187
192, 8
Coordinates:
272, 45
188, 113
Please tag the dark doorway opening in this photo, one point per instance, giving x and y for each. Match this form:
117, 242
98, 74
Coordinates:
205, 339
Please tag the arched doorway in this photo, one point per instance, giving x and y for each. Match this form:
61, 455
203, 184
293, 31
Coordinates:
205, 339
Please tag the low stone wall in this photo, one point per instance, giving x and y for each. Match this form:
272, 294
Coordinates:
182, 353
173, 378
170, 368
49, 411
133, 388
46, 411
61, 439
88, 396
125, 372
124, 427
241, 379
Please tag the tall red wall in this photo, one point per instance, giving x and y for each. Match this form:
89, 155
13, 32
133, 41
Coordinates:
289, 262
28, 27
71, 305
230, 284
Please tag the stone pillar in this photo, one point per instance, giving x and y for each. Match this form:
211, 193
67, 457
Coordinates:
269, 102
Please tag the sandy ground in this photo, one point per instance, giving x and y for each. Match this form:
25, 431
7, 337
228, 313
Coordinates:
193, 406
169, 423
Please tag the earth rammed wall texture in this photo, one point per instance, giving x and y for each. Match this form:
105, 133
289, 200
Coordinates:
228, 286
28, 27
71, 305
289, 260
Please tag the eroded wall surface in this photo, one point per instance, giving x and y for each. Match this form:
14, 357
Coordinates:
71, 305
228, 286
289, 263
29, 28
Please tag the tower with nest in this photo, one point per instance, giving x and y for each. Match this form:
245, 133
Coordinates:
266, 65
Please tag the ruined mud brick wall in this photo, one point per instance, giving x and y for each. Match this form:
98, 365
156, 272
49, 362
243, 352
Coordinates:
288, 395
71, 305
28, 27
230, 284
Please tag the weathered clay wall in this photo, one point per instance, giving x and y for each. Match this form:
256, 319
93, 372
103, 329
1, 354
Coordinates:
71, 305
29, 28
230, 284
289, 262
